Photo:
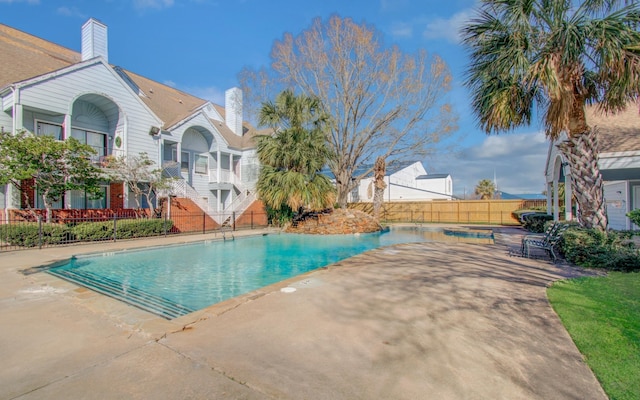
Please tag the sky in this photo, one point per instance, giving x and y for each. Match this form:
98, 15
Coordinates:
200, 46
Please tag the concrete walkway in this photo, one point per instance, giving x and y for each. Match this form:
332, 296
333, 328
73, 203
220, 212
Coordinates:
414, 321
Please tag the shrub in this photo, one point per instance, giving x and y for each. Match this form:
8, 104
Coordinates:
125, 229
93, 231
27, 234
133, 228
592, 248
279, 217
536, 222
634, 216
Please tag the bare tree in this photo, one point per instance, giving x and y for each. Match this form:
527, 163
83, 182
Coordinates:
382, 102
140, 176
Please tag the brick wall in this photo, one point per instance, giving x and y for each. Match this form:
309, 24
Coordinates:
188, 217
255, 215
116, 196
28, 193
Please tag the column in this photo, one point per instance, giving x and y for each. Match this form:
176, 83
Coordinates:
17, 117
556, 205
218, 155
568, 196
549, 198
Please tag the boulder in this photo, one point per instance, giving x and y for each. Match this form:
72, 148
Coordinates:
339, 221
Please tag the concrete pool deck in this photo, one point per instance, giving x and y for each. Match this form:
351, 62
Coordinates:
413, 321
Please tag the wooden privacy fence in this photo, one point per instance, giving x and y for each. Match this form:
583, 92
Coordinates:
494, 212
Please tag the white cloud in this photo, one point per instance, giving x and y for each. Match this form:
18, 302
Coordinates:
401, 30
517, 159
20, 1
155, 4
447, 28
71, 12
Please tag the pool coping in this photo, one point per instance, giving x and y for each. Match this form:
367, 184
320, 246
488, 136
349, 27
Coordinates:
226, 305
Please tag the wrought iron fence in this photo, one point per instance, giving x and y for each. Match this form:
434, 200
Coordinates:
20, 232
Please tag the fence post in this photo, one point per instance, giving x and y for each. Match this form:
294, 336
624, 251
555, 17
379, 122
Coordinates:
39, 231
233, 219
115, 224
164, 225
252, 219
204, 221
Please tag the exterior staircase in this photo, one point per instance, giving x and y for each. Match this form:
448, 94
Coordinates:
182, 189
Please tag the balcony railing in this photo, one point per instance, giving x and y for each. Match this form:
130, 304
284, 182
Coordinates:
226, 176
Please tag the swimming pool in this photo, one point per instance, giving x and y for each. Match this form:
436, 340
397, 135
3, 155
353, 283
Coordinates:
176, 280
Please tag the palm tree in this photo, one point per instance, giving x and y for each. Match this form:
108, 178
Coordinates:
293, 157
559, 56
485, 189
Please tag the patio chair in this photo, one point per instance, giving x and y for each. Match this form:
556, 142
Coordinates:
546, 242
540, 236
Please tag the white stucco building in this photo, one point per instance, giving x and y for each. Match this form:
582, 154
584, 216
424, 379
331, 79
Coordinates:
407, 182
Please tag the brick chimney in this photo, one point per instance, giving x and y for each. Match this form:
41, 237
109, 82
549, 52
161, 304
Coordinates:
233, 110
94, 40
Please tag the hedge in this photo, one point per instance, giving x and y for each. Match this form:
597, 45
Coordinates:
27, 234
125, 229
536, 222
592, 248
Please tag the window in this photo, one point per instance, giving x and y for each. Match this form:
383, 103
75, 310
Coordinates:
80, 200
184, 162
40, 203
96, 140
201, 165
48, 129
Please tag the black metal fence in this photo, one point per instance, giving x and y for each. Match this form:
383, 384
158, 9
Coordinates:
36, 232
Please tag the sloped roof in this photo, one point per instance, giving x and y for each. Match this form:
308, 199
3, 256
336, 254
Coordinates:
522, 196
617, 132
169, 104
31, 56
26, 56
433, 176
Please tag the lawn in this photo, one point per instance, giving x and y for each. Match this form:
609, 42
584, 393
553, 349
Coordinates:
602, 316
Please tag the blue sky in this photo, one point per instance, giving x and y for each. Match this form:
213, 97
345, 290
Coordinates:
199, 46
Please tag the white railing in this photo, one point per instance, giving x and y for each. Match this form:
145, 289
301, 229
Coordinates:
171, 169
226, 176
180, 188
241, 202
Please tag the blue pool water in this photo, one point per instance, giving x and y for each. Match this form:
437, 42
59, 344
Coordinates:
175, 280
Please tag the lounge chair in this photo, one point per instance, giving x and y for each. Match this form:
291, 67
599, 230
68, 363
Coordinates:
546, 242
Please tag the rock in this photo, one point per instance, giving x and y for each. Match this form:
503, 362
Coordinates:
338, 222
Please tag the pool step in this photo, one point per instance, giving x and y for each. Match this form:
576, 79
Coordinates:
154, 304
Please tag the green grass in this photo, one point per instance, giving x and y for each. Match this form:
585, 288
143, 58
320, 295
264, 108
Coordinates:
602, 316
